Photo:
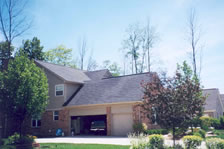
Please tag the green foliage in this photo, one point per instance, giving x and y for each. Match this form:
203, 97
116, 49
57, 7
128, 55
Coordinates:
156, 141
157, 131
112, 67
60, 55
221, 120
177, 146
4, 52
138, 141
32, 49
219, 133
23, 90
192, 142
139, 127
12, 139
215, 143
206, 122
216, 123
199, 132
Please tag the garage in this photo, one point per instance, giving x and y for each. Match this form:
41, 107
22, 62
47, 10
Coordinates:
89, 125
122, 124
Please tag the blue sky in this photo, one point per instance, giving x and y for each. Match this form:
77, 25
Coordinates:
103, 23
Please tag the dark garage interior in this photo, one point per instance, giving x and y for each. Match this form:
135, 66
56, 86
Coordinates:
89, 125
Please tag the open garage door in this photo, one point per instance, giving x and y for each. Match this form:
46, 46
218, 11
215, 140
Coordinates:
89, 125
122, 124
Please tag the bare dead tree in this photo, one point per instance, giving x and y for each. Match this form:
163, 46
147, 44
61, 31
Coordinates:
194, 36
92, 64
132, 45
150, 36
13, 21
82, 52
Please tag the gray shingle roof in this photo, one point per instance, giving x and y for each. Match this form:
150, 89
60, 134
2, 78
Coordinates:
98, 74
66, 73
213, 101
111, 90
222, 98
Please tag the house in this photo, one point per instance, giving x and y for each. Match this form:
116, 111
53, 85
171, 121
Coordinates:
81, 100
96, 103
214, 103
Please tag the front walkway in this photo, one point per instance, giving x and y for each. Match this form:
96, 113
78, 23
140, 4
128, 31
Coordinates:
87, 140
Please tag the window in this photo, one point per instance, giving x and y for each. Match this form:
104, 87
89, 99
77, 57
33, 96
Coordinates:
36, 123
59, 90
56, 115
154, 116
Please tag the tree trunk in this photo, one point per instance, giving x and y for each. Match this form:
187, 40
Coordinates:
174, 137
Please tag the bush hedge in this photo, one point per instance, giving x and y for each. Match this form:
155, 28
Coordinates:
215, 143
157, 131
156, 141
206, 122
139, 127
192, 142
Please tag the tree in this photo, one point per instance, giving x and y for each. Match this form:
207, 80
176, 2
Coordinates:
175, 101
32, 49
112, 67
138, 45
23, 90
13, 21
82, 52
194, 36
60, 55
4, 54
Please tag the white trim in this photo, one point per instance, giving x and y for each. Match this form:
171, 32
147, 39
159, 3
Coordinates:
62, 92
55, 115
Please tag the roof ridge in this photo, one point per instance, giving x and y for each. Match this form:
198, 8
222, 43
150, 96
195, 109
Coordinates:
97, 70
129, 75
211, 89
60, 65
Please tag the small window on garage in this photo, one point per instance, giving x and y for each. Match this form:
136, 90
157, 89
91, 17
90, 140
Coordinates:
59, 90
56, 115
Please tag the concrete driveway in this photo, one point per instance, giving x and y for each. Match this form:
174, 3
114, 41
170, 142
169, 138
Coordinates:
87, 140
100, 140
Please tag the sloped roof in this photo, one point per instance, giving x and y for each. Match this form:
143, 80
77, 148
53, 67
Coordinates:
222, 98
66, 73
212, 98
98, 74
111, 90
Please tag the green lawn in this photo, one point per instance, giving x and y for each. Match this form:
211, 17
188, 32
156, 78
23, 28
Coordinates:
81, 146
219, 133
74, 146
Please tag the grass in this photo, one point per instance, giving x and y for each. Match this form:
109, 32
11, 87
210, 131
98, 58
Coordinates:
80, 146
219, 133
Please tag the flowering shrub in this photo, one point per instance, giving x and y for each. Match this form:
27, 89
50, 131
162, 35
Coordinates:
215, 143
192, 142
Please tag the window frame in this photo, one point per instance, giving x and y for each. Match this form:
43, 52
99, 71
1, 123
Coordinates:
36, 122
62, 90
55, 115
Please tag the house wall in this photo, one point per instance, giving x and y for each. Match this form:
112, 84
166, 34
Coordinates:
140, 116
70, 89
48, 125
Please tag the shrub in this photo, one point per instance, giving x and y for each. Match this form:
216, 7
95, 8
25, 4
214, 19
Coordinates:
221, 120
138, 141
215, 143
157, 131
192, 142
12, 139
156, 141
139, 127
216, 123
15, 139
199, 132
205, 122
